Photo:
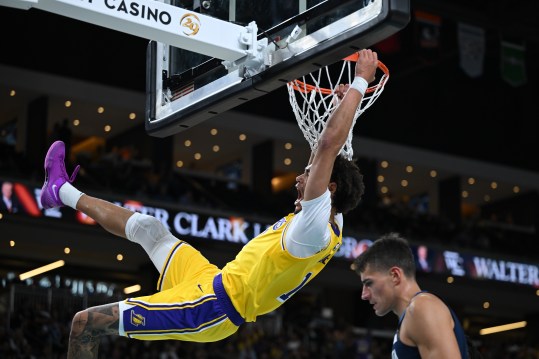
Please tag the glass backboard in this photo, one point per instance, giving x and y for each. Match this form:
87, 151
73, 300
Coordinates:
186, 87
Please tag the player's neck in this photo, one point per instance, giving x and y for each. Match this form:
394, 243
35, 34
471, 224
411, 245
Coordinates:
409, 291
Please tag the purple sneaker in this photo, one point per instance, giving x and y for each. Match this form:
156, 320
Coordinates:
55, 176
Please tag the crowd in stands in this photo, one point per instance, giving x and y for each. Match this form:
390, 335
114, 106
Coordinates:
124, 171
131, 174
33, 331
41, 332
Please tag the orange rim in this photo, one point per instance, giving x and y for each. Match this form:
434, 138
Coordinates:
306, 88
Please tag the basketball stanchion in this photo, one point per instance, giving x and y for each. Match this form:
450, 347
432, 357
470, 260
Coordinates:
313, 98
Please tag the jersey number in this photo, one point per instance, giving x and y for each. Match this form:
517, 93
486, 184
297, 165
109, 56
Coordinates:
284, 297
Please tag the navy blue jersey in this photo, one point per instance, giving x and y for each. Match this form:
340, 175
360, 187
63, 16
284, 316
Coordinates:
403, 351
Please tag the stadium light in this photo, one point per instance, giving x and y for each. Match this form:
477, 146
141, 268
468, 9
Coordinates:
502, 328
41, 270
132, 289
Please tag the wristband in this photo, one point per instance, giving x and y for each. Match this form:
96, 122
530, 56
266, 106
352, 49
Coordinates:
360, 84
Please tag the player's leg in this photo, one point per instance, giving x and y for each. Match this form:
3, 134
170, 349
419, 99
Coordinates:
145, 230
111, 217
57, 191
89, 326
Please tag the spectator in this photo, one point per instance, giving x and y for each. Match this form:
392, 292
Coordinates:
9, 202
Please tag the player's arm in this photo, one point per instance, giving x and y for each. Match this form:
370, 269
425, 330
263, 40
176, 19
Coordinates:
429, 326
337, 129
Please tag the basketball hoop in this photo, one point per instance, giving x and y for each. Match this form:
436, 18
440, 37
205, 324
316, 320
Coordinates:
313, 99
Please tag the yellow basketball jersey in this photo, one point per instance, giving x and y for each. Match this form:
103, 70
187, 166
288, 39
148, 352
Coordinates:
264, 274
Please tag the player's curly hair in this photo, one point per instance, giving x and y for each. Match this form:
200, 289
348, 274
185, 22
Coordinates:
350, 186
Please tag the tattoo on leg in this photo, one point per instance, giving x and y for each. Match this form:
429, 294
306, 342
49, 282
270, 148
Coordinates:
89, 326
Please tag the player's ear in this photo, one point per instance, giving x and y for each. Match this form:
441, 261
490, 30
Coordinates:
332, 187
396, 275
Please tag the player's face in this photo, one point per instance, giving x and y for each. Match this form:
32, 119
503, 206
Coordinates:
378, 290
301, 181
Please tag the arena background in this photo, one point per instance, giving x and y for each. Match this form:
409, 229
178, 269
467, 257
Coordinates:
463, 112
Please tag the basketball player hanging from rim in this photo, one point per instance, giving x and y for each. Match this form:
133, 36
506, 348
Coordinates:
196, 301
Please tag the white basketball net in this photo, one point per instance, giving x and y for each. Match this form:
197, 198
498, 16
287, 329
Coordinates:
312, 104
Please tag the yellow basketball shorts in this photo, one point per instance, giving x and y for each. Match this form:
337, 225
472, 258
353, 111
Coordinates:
192, 304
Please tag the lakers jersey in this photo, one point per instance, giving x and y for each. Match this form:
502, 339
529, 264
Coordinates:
264, 274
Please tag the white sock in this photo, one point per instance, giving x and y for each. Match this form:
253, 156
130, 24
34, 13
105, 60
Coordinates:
69, 195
